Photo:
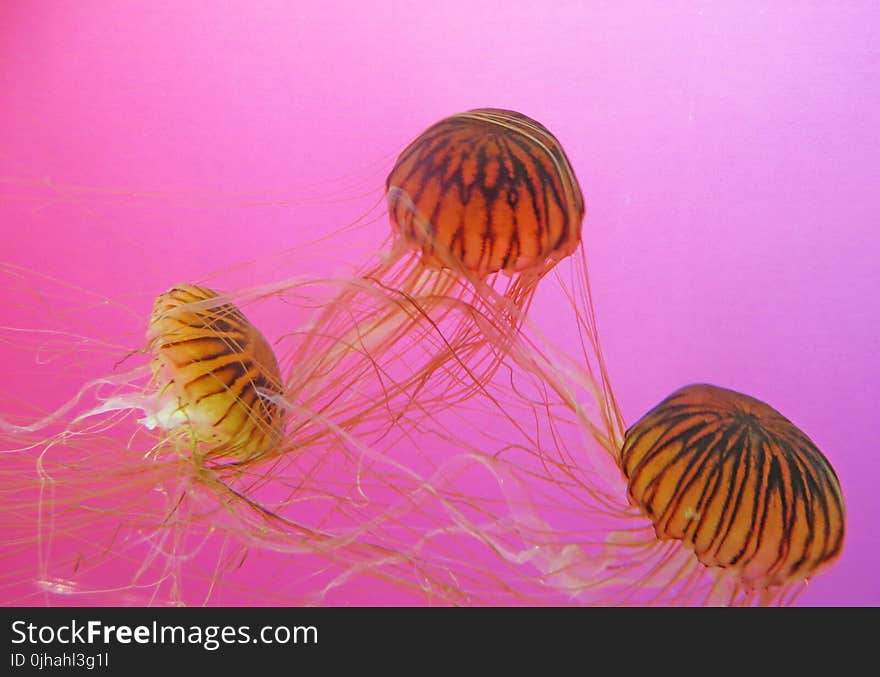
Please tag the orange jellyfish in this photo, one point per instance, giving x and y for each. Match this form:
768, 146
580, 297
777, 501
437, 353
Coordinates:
730, 479
486, 191
161, 511
713, 497
720, 500
482, 205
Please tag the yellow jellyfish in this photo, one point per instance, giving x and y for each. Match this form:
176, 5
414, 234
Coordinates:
216, 377
209, 396
482, 205
153, 485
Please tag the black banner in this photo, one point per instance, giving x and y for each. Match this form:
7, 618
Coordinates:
284, 640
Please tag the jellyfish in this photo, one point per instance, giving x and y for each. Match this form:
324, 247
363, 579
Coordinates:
546, 497
204, 410
482, 205
711, 498
214, 376
486, 191
730, 479
154, 485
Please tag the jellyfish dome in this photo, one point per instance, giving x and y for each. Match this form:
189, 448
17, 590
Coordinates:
215, 374
738, 483
491, 190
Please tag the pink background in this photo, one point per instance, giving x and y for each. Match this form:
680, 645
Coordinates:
727, 151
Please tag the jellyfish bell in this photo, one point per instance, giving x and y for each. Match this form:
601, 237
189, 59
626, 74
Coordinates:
215, 386
215, 377
737, 483
488, 190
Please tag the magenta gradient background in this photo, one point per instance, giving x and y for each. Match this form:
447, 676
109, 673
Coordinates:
728, 153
